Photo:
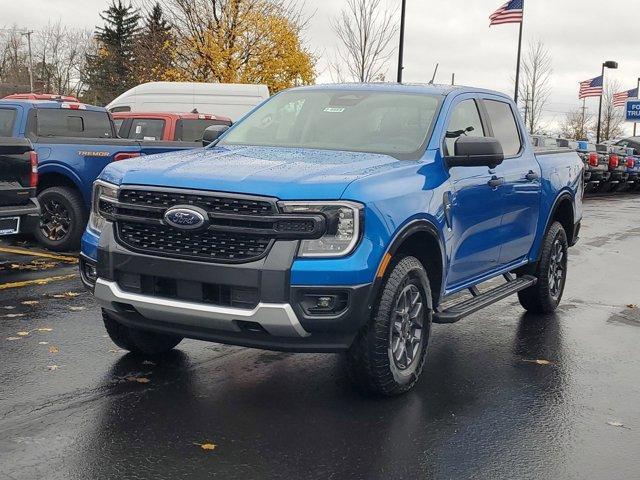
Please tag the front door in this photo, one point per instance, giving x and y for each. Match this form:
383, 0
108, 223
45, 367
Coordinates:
476, 204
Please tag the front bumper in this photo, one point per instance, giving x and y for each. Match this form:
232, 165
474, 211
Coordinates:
278, 321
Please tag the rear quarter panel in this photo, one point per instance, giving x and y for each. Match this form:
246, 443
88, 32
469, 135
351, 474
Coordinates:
562, 175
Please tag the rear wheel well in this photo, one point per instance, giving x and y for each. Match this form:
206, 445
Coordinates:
54, 180
426, 248
563, 213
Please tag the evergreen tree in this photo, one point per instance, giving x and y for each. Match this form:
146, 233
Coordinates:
155, 50
110, 70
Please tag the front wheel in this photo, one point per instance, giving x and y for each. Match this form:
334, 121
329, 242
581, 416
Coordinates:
550, 272
388, 354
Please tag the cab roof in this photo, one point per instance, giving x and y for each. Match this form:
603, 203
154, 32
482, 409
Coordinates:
50, 104
425, 88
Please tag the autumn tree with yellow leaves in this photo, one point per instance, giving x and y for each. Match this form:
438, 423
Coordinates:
239, 41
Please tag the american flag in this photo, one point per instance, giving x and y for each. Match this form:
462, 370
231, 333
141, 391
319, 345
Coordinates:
620, 99
591, 88
510, 12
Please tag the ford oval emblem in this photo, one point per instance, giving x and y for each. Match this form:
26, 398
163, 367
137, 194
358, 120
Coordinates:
186, 218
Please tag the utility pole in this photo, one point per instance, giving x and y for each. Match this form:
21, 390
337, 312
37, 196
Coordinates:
28, 34
401, 47
453, 78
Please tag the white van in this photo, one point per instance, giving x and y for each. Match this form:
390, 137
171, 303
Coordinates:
231, 100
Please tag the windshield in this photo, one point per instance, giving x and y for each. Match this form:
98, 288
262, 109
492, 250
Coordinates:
379, 122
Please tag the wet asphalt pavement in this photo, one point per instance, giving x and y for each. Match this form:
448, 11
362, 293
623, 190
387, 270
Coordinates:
504, 395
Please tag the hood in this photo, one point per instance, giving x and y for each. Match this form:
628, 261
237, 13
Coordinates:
278, 172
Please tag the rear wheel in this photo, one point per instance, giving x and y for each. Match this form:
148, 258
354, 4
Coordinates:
388, 354
62, 219
138, 341
550, 271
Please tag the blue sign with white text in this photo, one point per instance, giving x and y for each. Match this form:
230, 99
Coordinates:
633, 111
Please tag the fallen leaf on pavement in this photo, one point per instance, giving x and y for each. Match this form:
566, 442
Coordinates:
137, 379
22, 334
539, 361
8, 307
66, 295
51, 368
632, 305
53, 349
43, 343
14, 338
75, 309
45, 329
614, 423
30, 302
207, 446
14, 315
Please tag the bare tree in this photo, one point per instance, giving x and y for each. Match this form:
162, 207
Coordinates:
576, 124
612, 117
59, 57
534, 84
365, 29
14, 64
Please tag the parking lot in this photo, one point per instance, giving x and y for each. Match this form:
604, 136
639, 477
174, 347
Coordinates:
504, 395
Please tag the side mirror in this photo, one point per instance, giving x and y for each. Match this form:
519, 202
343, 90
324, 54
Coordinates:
212, 133
476, 152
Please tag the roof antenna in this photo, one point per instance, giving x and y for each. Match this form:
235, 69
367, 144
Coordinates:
434, 74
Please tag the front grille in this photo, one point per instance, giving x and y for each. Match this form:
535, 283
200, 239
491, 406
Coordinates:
237, 205
207, 245
187, 290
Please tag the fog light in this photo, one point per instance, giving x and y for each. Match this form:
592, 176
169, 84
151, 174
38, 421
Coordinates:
90, 272
324, 303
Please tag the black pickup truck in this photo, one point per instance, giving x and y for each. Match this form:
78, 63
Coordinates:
19, 209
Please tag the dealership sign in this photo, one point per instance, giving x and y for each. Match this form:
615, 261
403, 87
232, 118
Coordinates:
633, 110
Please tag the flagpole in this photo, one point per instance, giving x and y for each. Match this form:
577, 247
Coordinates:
515, 96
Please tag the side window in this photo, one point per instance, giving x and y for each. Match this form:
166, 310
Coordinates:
7, 118
117, 122
54, 122
505, 128
465, 120
146, 129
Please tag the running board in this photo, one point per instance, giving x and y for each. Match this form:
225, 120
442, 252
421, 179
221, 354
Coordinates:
482, 300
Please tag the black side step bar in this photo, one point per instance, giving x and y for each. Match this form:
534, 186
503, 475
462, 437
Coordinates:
482, 300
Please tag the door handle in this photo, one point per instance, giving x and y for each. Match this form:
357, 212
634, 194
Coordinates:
532, 176
495, 182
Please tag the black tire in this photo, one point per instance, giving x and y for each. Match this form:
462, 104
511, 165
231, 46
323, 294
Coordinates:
62, 219
370, 361
545, 295
138, 341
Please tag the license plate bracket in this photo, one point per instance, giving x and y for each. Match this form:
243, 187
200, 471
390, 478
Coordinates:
9, 225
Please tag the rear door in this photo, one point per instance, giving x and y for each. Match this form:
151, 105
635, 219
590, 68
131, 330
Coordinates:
521, 186
476, 206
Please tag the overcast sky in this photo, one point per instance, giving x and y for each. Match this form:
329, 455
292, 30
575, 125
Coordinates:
580, 35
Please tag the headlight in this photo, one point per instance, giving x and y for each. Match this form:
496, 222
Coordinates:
102, 191
343, 227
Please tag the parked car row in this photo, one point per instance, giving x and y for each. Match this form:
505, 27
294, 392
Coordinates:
608, 167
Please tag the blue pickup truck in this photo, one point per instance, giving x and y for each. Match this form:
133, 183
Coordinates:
74, 142
338, 218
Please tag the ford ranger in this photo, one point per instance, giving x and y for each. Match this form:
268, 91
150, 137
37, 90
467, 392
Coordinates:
74, 142
335, 218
